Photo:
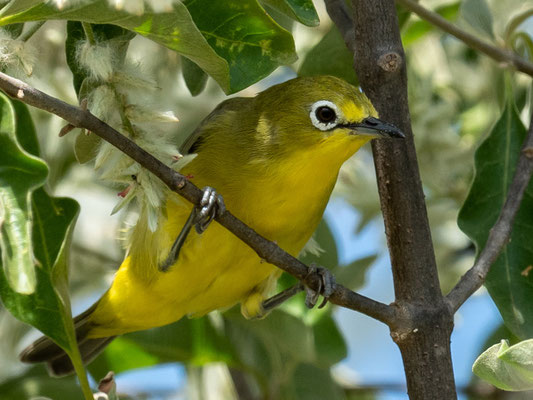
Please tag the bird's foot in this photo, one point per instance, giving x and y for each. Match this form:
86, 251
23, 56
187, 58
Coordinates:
211, 205
325, 288
201, 216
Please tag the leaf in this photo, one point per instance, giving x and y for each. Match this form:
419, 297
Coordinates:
509, 282
310, 382
418, 28
122, 355
508, 368
478, 15
48, 307
353, 275
14, 29
515, 23
194, 77
330, 347
234, 41
35, 383
330, 57
20, 174
300, 10
195, 341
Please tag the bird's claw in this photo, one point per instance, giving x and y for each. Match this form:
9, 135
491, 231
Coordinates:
211, 205
325, 288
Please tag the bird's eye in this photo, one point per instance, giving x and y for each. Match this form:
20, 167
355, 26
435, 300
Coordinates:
325, 114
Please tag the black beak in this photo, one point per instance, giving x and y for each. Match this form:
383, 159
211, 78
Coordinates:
377, 128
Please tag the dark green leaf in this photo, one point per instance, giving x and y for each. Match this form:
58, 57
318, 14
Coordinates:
20, 174
509, 282
330, 57
234, 41
194, 77
300, 10
36, 383
324, 238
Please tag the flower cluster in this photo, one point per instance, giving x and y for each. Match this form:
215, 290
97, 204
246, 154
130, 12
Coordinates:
116, 89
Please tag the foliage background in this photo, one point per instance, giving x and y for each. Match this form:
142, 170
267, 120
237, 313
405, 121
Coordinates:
456, 95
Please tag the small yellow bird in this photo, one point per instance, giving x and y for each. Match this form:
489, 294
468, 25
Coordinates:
274, 159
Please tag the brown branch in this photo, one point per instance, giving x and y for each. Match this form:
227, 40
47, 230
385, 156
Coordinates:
267, 250
502, 55
501, 231
425, 320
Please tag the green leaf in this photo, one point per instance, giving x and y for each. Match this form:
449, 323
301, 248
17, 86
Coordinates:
36, 383
122, 355
50, 225
14, 29
509, 282
478, 15
300, 10
508, 368
194, 77
330, 57
20, 174
330, 347
234, 41
353, 275
310, 382
242, 33
515, 23
419, 28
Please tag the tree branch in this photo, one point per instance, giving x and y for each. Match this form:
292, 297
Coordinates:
504, 56
425, 320
501, 231
267, 250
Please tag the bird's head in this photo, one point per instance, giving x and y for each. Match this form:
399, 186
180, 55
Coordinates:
320, 110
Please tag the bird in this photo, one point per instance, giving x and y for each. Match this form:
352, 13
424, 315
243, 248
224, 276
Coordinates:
274, 160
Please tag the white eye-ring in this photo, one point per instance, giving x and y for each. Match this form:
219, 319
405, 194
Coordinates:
324, 115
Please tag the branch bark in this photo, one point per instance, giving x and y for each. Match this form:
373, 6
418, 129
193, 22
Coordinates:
267, 250
423, 330
501, 231
504, 56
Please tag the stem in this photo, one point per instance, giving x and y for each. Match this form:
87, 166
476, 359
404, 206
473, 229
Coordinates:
89, 34
265, 249
29, 33
81, 373
508, 58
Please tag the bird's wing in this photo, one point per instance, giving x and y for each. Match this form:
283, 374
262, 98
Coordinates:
195, 139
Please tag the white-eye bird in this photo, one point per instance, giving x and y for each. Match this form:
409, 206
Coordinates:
274, 158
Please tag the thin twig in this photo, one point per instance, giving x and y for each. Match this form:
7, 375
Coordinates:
501, 231
267, 250
504, 56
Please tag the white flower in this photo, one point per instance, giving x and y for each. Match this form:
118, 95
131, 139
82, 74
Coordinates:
96, 59
17, 54
137, 6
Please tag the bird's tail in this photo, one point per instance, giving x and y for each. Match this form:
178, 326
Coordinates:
57, 361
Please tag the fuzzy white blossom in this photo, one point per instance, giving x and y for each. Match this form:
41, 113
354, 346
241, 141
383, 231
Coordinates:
62, 4
98, 60
138, 113
16, 55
